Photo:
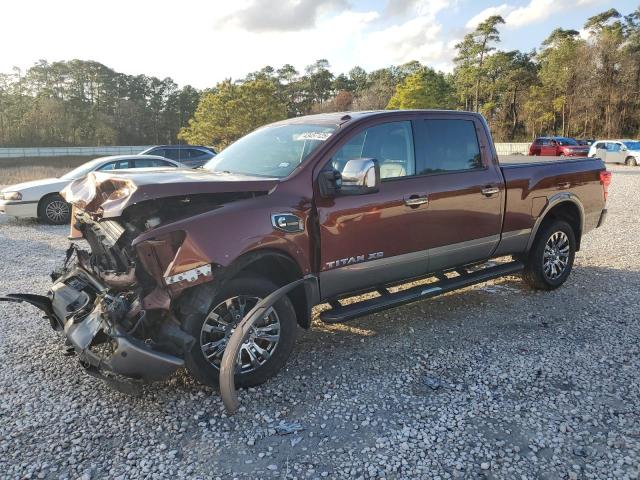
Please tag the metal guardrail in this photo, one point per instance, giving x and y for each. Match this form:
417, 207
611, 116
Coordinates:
512, 148
16, 152
502, 149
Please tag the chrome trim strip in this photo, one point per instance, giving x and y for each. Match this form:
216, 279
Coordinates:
357, 276
363, 275
461, 253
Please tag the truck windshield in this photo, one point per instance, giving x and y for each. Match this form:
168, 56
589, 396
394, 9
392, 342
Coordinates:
271, 151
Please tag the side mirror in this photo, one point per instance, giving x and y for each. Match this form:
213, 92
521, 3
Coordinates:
623, 148
360, 176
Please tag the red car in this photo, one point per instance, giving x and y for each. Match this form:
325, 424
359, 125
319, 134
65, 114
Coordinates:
558, 147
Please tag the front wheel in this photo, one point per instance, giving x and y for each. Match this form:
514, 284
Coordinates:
265, 351
551, 257
631, 162
54, 210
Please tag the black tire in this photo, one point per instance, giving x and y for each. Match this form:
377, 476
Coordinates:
631, 162
208, 374
534, 273
54, 210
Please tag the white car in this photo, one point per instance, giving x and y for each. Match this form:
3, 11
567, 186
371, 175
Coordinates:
617, 151
40, 198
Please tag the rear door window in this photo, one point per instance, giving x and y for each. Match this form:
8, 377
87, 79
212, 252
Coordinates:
445, 145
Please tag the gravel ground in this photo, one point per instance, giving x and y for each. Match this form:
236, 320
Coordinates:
494, 381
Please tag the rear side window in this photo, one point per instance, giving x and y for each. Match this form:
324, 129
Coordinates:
172, 153
447, 146
149, 162
538, 141
158, 151
115, 165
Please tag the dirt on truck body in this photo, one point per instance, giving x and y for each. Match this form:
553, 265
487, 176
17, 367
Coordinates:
216, 269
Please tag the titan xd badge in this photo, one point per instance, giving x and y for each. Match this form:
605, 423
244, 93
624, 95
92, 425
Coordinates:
287, 222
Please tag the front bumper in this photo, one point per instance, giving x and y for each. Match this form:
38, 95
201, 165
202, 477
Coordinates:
576, 154
125, 354
18, 208
97, 325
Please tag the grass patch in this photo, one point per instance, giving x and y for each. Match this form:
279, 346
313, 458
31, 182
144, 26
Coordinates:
24, 169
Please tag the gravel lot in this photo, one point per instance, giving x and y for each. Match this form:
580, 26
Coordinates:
495, 381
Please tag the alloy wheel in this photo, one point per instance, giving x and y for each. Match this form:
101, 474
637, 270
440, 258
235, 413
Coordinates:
221, 323
57, 211
556, 255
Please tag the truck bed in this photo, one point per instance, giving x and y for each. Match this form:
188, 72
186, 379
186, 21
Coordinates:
519, 160
534, 182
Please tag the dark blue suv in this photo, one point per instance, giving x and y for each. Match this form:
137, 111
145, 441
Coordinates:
190, 155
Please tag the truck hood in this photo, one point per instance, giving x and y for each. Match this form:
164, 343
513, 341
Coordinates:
109, 194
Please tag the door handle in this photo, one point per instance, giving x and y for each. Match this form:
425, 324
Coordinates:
564, 184
489, 191
415, 200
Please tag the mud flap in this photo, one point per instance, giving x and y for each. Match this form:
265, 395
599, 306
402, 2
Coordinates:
228, 364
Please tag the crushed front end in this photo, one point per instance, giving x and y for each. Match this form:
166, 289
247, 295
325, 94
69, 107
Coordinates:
113, 298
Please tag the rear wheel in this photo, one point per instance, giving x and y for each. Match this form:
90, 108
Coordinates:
265, 351
54, 210
631, 162
551, 257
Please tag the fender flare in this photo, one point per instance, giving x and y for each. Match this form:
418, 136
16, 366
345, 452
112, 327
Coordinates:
554, 201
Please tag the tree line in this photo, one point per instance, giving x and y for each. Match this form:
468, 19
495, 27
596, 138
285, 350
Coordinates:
76, 103
582, 84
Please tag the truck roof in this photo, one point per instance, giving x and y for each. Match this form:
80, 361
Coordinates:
339, 118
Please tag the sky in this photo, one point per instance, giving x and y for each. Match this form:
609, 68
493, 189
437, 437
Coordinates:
201, 42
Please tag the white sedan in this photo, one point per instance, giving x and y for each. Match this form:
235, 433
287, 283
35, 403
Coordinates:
617, 151
40, 198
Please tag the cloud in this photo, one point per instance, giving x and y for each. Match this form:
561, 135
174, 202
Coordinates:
486, 13
282, 16
533, 12
419, 38
421, 7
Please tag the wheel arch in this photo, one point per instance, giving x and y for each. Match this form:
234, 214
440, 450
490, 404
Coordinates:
564, 206
282, 269
42, 200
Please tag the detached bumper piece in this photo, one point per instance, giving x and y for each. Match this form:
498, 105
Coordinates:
95, 321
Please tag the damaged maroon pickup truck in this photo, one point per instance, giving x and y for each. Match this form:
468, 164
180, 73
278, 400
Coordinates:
316, 209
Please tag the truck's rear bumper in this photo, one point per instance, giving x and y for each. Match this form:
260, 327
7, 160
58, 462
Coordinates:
603, 217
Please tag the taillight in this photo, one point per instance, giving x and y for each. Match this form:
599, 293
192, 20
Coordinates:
605, 181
